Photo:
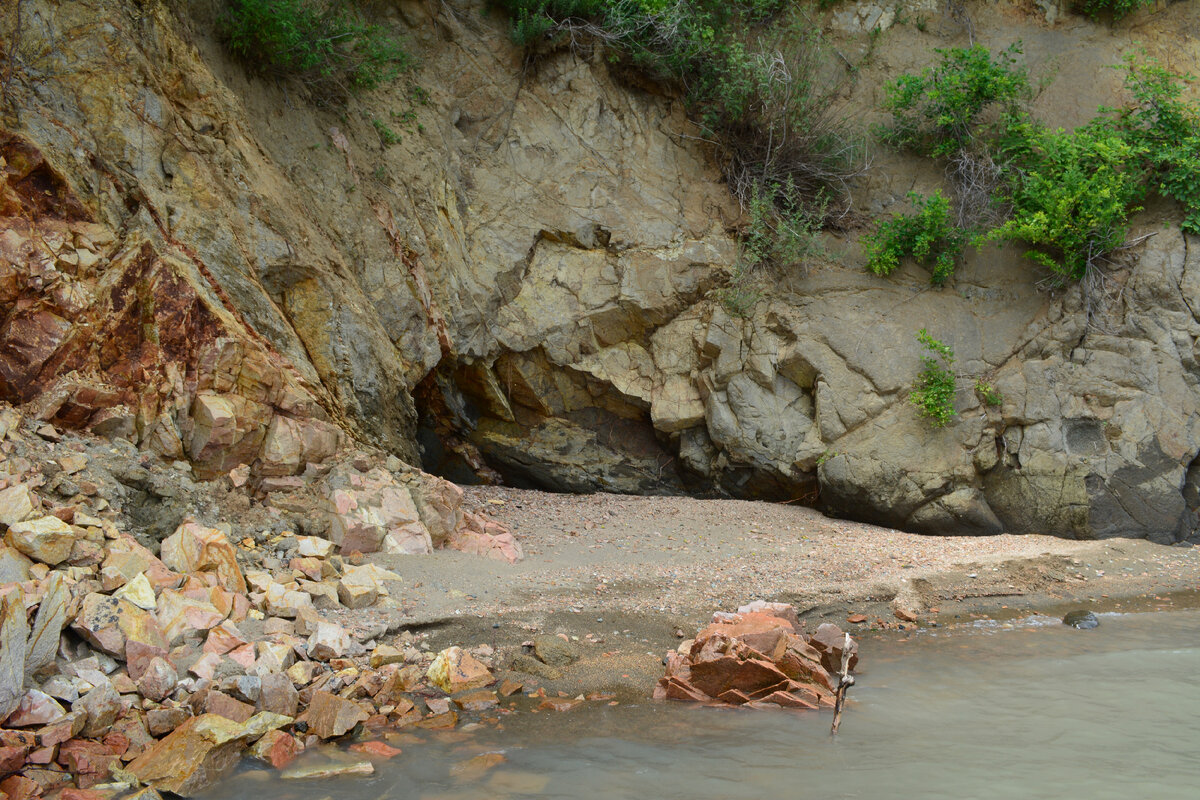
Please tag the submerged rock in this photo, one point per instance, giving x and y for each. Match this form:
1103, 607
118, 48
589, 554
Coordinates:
1082, 619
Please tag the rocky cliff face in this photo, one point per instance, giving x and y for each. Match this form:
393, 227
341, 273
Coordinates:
211, 266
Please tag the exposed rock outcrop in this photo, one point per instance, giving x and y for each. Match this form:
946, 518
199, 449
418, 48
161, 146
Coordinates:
212, 268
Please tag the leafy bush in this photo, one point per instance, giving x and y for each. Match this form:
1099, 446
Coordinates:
1166, 130
933, 394
325, 44
935, 112
1118, 8
1073, 201
988, 393
927, 235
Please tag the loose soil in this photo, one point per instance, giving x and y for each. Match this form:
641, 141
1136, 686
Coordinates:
628, 577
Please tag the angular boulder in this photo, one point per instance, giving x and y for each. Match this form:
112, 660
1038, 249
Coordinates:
195, 548
45, 539
199, 752
455, 670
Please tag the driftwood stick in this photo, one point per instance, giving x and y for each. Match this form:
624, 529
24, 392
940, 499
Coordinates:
846, 680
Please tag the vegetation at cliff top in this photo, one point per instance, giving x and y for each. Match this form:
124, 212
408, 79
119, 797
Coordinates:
326, 45
1117, 8
748, 71
1067, 194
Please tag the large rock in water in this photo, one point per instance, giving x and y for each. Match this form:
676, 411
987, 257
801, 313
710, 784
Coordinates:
754, 658
202, 750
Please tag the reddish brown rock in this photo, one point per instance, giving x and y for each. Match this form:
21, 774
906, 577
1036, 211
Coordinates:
276, 748
36, 708
278, 695
59, 732
161, 721
158, 680
231, 708
380, 750
12, 758
18, 787
88, 760
330, 716
829, 640
752, 658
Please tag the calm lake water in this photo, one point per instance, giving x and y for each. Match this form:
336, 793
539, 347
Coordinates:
1024, 709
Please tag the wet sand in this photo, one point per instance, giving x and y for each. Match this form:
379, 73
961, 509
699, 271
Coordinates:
626, 578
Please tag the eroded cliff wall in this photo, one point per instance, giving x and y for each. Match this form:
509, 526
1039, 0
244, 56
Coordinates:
212, 265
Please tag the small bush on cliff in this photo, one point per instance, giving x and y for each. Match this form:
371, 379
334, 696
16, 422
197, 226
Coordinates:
1073, 202
1165, 129
935, 112
1117, 8
927, 235
325, 44
933, 394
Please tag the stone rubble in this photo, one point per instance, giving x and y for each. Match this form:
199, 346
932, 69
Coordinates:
120, 667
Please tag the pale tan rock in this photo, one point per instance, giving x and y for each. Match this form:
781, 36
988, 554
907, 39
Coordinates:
139, 592
324, 594
279, 601
314, 547
386, 654
178, 615
361, 586
127, 559
17, 504
332, 769
367, 508
328, 641
102, 705
14, 566
111, 623
455, 670
45, 539
195, 548
292, 443
273, 657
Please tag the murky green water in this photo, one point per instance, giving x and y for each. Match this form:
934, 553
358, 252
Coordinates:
1029, 709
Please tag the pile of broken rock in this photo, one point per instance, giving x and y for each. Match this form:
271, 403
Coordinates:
757, 658
123, 668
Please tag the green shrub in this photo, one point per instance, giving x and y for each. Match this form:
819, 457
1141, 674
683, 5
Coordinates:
1118, 8
324, 44
928, 235
936, 112
988, 393
933, 394
1166, 129
387, 136
1073, 202
749, 77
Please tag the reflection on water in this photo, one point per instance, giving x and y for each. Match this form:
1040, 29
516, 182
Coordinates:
1024, 709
